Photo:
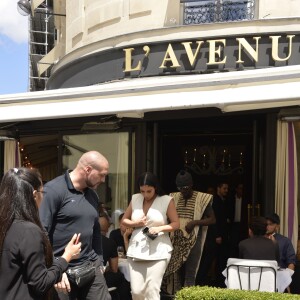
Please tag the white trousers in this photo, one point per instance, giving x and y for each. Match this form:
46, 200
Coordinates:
146, 277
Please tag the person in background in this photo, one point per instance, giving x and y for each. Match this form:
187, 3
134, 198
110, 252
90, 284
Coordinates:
204, 274
103, 211
258, 246
121, 235
152, 215
115, 215
113, 277
210, 190
27, 268
71, 205
286, 249
220, 207
237, 214
195, 213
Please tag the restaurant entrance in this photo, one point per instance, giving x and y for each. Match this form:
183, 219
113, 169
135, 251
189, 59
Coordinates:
212, 150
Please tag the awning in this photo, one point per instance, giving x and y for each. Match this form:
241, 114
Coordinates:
232, 91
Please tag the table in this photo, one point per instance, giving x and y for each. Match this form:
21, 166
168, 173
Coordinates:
124, 268
283, 279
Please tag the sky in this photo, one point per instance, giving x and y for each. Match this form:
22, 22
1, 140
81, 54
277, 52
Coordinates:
13, 49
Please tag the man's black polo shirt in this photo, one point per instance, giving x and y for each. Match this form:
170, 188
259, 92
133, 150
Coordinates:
65, 211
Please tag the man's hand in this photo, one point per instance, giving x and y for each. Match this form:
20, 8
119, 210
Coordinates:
64, 285
190, 226
271, 237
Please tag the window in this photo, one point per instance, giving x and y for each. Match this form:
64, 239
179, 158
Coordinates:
115, 147
209, 11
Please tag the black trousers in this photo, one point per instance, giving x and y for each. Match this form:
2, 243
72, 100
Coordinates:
221, 262
234, 239
208, 256
118, 280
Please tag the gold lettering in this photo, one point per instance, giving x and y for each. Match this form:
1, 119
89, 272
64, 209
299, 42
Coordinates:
275, 46
215, 52
128, 61
170, 56
147, 50
189, 52
253, 53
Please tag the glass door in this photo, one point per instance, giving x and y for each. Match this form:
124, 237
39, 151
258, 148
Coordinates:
115, 147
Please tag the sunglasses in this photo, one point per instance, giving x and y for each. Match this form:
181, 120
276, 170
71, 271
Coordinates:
180, 188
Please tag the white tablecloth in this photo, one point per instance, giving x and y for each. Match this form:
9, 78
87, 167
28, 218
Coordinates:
284, 279
124, 268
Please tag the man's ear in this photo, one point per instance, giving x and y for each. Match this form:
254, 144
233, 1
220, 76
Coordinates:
250, 232
88, 169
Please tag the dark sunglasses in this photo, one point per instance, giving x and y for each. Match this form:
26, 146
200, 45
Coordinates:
180, 188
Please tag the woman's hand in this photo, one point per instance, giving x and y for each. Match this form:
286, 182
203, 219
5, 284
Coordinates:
141, 222
155, 230
73, 248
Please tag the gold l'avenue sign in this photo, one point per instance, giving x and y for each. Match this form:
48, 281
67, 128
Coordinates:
224, 53
181, 57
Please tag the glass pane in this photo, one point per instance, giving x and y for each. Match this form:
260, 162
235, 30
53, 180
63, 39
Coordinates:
114, 146
196, 12
208, 11
233, 10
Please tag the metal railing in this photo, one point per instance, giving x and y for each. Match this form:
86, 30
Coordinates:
210, 11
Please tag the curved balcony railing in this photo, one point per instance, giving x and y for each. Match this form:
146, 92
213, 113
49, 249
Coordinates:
209, 11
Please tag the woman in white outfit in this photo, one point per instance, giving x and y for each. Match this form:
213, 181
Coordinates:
152, 215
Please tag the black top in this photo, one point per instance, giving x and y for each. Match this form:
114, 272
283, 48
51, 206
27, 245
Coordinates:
109, 249
23, 272
117, 237
65, 211
259, 247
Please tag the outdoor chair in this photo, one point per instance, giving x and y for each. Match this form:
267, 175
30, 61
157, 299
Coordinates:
249, 274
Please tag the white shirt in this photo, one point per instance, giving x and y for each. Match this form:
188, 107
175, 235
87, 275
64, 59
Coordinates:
238, 208
140, 246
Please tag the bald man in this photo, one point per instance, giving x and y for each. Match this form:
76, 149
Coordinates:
70, 205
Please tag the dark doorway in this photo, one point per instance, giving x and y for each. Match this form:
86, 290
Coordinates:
211, 150
209, 158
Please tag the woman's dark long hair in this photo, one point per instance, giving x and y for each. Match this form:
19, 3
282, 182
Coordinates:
17, 203
150, 179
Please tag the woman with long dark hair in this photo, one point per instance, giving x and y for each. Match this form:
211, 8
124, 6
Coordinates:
152, 215
27, 269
